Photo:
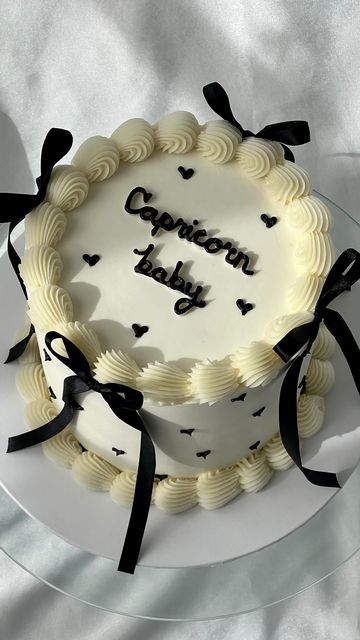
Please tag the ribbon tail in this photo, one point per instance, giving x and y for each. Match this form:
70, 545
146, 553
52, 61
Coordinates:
346, 341
289, 426
141, 505
218, 100
14, 256
288, 154
293, 132
46, 431
18, 349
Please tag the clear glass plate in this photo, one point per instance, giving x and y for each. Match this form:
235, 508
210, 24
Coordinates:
253, 581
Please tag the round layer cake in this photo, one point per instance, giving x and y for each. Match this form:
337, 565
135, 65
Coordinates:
183, 255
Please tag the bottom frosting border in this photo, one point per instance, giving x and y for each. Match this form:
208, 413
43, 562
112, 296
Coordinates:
210, 489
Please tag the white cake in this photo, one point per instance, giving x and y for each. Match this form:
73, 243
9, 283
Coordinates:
209, 375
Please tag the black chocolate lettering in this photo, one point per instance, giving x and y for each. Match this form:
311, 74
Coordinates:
217, 245
159, 275
186, 231
199, 234
175, 281
144, 266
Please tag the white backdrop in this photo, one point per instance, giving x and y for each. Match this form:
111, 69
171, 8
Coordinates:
87, 65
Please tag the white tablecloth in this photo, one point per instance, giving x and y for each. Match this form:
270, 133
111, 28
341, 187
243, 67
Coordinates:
88, 65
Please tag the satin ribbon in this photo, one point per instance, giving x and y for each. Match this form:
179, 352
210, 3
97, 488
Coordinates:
125, 404
15, 206
298, 342
293, 132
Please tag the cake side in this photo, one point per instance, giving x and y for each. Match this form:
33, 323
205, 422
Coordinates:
210, 489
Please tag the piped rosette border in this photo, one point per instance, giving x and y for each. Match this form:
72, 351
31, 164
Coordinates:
97, 159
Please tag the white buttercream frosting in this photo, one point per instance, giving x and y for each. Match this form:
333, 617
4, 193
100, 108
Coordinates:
213, 381
320, 377
40, 265
83, 336
31, 355
123, 488
309, 214
288, 182
31, 382
45, 224
276, 455
281, 326
115, 366
134, 140
324, 344
39, 412
257, 156
94, 472
98, 158
174, 495
310, 413
218, 141
67, 188
256, 364
49, 307
304, 292
216, 488
254, 472
62, 449
176, 132
162, 381
314, 253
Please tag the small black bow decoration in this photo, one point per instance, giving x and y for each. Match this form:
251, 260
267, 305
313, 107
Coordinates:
297, 344
15, 206
293, 132
125, 404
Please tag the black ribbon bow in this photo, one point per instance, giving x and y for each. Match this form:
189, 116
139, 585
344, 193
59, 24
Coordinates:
298, 342
125, 404
15, 206
293, 132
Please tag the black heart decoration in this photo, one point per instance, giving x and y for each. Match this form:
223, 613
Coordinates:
243, 306
139, 329
240, 398
91, 260
258, 413
189, 432
186, 173
269, 221
203, 454
118, 452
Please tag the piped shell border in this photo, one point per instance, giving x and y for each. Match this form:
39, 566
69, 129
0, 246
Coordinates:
50, 306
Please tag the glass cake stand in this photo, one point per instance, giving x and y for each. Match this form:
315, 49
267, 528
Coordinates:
243, 584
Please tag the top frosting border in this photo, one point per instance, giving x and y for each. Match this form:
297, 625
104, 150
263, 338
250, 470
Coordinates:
97, 159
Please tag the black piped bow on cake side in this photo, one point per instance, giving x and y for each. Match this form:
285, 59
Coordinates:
293, 132
125, 403
297, 344
15, 206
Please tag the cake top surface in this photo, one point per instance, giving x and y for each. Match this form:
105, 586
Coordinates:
188, 253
